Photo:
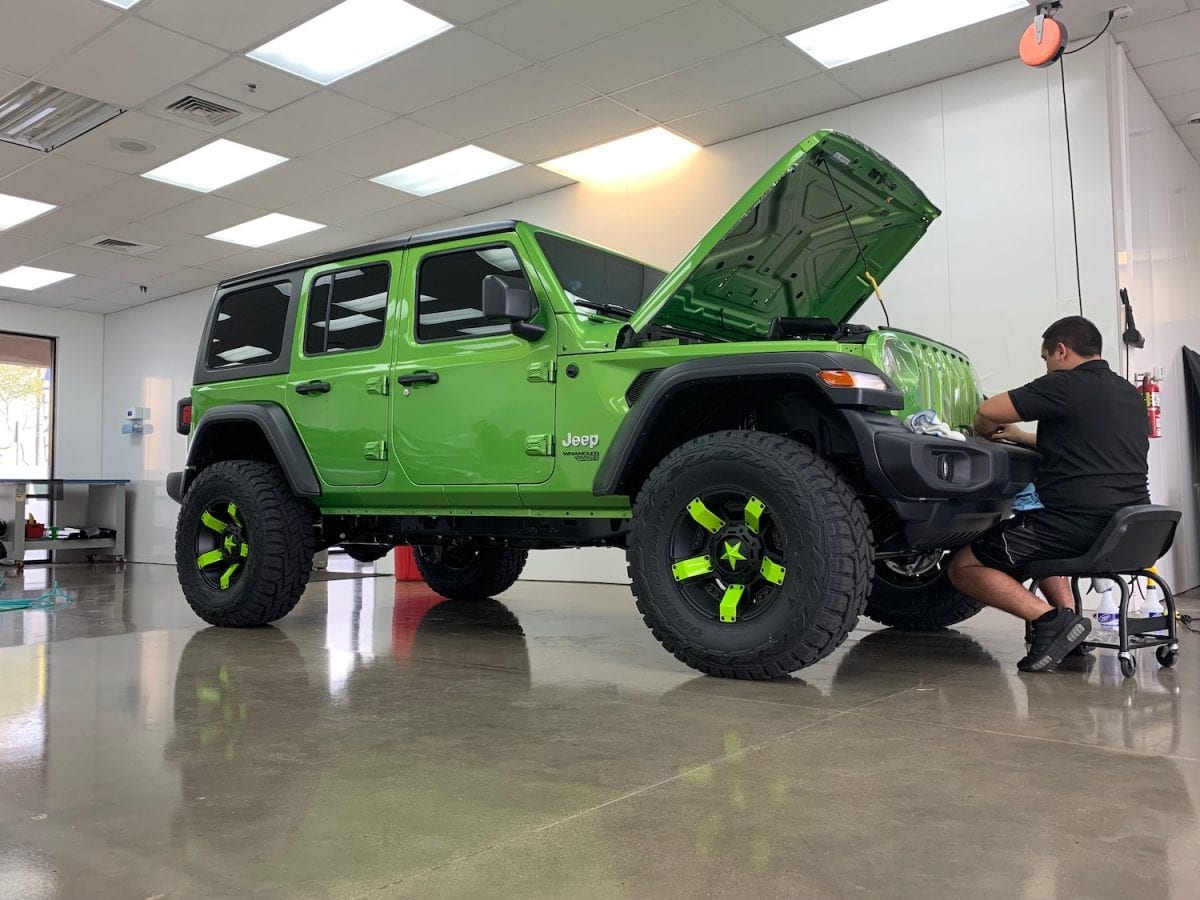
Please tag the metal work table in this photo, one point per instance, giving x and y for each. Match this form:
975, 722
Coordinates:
74, 502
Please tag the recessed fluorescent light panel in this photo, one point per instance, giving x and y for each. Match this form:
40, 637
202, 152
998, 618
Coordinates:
440, 173
28, 278
214, 165
349, 38
42, 117
15, 210
891, 24
635, 156
265, 230
123, 4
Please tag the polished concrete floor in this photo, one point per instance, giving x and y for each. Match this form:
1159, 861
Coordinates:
381, 742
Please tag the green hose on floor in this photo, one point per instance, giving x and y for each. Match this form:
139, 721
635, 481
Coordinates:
56, 596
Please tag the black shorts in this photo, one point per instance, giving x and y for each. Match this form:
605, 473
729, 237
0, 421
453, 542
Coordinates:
1034, 535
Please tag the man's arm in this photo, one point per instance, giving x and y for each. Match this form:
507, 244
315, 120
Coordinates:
994, 412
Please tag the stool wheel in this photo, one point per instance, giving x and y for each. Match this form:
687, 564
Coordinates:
1166, 656
1128, 665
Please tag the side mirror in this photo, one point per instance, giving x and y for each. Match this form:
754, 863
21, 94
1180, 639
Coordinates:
510, 298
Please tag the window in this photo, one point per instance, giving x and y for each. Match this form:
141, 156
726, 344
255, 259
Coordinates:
249, 326
597, 275
450, 288
350, 317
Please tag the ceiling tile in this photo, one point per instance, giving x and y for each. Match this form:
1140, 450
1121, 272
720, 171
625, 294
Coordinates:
346, 203
204, 215
99, 146
315, 121
133, 295
145, 234
740, 73
10, 81
136, 269
666, 44
462, 11
77, 260
37, 298
273, 87
938, 57
184, 279
813, 95
564, 132
327, 240
453, 62
540, 29
132, 63
403, 219
15, 249
37, 34
134, 198
195, 251
13, 157
67, 225
516, 184
1163, 40
508, 101
1178, 76
87, 288
232, 24
282, 185
58, 180
1179, 107
99, 307
384, 149
786, 16
249, 261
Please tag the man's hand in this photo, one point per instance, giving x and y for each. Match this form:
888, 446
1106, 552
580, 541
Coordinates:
994, 413
1016, 435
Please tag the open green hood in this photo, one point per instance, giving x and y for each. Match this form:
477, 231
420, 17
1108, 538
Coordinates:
788, 247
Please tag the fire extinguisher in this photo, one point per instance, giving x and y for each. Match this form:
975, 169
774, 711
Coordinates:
1149, 392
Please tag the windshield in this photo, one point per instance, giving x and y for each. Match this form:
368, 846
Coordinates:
598, 277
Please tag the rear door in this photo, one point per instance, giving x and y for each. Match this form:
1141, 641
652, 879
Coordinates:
338, 388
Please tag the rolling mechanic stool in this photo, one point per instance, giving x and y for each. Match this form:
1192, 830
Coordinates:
1135, 538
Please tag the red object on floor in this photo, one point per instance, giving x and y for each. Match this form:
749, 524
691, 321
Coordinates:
406, 566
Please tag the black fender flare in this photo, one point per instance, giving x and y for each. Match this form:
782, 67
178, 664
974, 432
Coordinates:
279, 430
634, 431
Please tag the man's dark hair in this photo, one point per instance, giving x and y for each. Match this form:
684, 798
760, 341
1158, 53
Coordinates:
1077, 333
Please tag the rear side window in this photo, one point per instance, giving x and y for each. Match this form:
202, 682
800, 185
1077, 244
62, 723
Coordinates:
450, 289
347, 310
249, 326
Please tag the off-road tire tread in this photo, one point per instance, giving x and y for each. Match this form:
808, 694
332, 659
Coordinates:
285, 544
804, 473
496, 569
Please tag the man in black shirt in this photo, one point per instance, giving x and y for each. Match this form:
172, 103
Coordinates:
1093, 441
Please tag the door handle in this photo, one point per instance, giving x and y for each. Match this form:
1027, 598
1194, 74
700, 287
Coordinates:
419, 378
313, 387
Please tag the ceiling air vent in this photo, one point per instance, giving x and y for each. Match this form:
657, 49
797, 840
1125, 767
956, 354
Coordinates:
117, 245
200, 111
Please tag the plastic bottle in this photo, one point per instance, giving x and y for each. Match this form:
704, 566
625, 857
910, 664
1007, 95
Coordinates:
1153, 605
1108, 613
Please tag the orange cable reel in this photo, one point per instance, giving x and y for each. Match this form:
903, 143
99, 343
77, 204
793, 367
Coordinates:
1044, 40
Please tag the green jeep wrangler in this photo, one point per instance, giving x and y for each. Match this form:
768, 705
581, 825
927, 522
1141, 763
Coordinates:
480, 392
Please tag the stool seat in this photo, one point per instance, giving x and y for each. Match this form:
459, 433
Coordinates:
1135, 538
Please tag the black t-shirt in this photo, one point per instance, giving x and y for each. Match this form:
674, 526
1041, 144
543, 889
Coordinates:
1092, 436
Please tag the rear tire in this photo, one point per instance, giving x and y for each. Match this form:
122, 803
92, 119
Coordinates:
926, 601
807, 523
243, 504
463, 571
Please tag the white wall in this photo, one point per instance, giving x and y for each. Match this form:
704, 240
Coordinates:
79, 380
1157, 194
991, 274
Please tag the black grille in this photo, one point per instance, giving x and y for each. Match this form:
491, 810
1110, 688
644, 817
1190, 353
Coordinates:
639, 386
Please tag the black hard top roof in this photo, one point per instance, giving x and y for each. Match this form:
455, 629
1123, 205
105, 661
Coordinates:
413, 240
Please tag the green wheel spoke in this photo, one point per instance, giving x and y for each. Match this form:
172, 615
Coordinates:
204, 560
729, 602
227, 575
233, 514
244, 550
212, 522
705, 517
754, 510
691, 568
772, 571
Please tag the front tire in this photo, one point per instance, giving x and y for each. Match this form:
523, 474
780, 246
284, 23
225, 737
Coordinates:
750, 556
244, 544
917, 595
464, 571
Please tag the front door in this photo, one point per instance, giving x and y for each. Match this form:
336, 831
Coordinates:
473, 403
338, 388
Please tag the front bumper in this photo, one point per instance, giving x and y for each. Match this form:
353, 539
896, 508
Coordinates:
944, 492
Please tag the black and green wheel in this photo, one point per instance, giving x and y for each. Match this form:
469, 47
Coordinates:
463, 570
244, 544
750, 556
914, 593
